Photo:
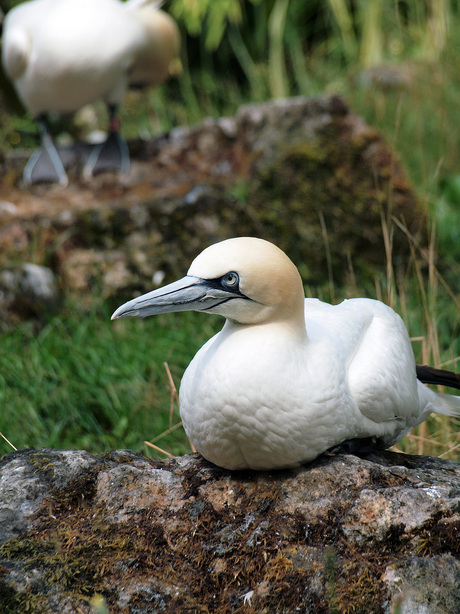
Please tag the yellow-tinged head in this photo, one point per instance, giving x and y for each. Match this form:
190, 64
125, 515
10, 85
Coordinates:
247, 280
159, 57
266, 276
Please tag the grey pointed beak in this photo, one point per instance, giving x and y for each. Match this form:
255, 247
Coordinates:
186, 294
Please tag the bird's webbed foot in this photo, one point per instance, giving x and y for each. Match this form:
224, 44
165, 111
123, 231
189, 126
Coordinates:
112, 154
45, 165
358, 446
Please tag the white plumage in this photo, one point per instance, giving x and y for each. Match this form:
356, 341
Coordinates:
63, 54
288, 378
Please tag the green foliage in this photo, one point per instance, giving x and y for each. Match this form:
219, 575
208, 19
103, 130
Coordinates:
85, 382
374, 31
446, 213
207, 15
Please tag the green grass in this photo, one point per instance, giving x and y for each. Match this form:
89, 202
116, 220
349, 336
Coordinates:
85, 382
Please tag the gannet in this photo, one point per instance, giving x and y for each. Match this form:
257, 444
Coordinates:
63, 54
288, 377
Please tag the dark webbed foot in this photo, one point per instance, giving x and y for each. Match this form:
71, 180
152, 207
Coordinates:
45, 164
358, 446
112, 154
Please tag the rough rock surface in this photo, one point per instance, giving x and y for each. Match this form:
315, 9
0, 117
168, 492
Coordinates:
127, 534
306, 173
29, 289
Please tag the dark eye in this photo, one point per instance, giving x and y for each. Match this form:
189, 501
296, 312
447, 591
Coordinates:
230, 280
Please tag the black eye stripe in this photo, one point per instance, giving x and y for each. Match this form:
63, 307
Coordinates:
218, 284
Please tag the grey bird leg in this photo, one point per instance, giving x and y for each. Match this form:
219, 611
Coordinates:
112, 154
45, 164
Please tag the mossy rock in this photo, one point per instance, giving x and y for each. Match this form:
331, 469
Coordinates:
132, 534
306, 174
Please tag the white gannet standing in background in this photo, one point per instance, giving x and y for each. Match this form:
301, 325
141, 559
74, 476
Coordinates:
63, 54
288, 378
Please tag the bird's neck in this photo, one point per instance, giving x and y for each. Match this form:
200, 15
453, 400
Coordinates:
293, 329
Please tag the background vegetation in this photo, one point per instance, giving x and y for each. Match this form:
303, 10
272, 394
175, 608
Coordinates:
81, 381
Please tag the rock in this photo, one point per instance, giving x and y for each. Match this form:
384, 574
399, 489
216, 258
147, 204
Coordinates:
307, 174
130, 534
29, 289
6, 207
387, 76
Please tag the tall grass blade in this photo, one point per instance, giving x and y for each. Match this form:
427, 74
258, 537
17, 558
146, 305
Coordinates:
7, 441
158, 449
371, 51
304, 84
344, 21
251, 70
279, 85
437, 28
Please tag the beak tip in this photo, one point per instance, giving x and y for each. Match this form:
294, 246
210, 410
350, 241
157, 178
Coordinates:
117, 314
125, 312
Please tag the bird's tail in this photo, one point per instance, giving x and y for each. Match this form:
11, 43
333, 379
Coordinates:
446, 404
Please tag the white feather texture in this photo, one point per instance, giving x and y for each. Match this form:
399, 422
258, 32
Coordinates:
288, 378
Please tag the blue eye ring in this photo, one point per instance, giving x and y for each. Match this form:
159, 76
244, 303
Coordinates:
230, 280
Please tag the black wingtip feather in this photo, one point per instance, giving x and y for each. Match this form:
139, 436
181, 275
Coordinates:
440, 377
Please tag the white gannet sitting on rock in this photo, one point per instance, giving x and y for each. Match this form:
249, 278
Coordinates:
63, 54
288, 378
